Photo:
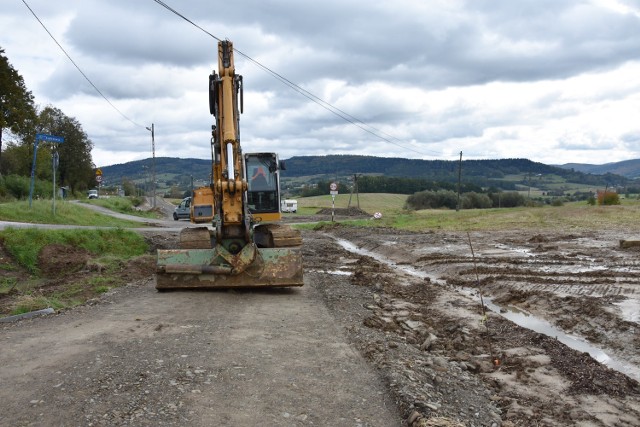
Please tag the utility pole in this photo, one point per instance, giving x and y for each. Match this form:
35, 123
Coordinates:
459, 179
354, 188
153, 164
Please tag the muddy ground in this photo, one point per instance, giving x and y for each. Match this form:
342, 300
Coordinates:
411, 306
417, 315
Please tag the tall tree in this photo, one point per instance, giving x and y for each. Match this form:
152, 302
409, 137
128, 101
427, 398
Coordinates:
17, 112
76, 166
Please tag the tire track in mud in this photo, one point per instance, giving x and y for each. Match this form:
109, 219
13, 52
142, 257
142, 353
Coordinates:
563, 277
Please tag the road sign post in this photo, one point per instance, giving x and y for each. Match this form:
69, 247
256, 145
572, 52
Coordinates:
55, 161
99, 179
333, 190
46, 138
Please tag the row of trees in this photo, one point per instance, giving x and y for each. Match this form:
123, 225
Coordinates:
469, 200
384, 184
20, 121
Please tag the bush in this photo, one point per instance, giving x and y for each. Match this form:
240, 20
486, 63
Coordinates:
608, 198
432, 200
136, 200
507, 199
473, 200
18, 187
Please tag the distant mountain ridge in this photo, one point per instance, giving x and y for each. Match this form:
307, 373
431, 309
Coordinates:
175, 171
626, 168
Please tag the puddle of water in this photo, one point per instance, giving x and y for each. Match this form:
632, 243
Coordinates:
519, 317
347, 245
572, 269
502, 249
630, 309
334, 272
536, 324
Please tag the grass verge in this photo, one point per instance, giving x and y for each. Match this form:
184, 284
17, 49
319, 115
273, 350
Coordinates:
97, 260
25, 244
70, 213
125, 205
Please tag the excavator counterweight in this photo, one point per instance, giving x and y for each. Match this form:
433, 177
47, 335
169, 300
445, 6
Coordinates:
244, 246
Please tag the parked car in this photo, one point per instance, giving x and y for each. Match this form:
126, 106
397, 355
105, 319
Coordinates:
183, 210
93, 194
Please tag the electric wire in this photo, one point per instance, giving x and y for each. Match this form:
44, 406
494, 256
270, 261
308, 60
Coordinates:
317, 100
79, 69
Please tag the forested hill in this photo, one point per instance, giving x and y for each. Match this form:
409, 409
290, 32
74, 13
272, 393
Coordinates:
440, 170
628, 168
337, 166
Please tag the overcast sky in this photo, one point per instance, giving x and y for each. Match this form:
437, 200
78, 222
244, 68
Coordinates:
554, 81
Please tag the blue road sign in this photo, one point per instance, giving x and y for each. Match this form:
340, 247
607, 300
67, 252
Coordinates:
49, 138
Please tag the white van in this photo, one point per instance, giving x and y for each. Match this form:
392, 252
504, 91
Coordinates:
289, 206
183, 210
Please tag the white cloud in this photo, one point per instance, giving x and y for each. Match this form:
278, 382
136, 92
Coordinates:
551, 80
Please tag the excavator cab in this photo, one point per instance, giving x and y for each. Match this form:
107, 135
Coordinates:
263, 196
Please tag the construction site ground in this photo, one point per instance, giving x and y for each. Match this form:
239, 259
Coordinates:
392, 328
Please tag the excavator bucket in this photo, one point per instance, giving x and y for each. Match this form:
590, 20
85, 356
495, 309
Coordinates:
216, 268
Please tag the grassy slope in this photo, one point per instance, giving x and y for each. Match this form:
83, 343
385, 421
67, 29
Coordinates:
123, 205
20, 292
41, 212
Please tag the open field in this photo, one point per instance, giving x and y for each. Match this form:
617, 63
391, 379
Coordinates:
571, 216
387, 204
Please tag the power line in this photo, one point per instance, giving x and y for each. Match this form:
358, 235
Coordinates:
317, 100
78, 68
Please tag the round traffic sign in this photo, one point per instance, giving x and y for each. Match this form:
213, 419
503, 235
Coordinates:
333, 186
99, 178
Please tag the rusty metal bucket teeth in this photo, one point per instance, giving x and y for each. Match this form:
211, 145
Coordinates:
207, 268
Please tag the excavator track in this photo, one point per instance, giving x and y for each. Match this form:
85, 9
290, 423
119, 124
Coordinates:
195, 238
277, 236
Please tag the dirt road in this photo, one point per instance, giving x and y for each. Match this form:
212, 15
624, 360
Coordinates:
236, 358
389, 330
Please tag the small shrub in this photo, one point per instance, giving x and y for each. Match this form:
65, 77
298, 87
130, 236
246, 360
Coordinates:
137, 200
607, 198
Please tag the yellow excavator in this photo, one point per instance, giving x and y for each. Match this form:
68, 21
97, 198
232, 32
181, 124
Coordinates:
244, 246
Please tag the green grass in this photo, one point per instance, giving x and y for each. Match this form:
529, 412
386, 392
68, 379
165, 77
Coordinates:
387, 204
571, 216
7, 284
24, 244
123, 205
30, 303
111, 248
41, 212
